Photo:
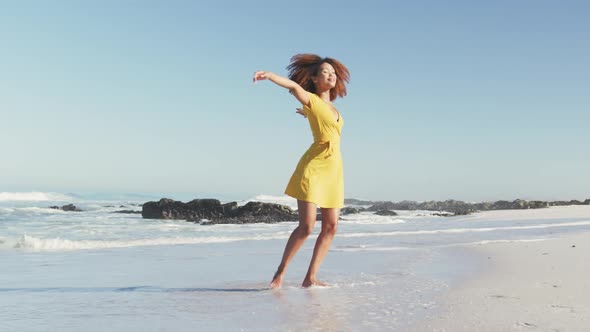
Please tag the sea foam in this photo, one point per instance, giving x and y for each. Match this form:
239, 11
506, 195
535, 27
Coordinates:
33, 196
465, 230
33, 243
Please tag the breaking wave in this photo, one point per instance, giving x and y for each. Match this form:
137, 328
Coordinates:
28, 242
33, 196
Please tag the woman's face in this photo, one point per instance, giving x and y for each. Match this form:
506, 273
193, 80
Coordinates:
325, 78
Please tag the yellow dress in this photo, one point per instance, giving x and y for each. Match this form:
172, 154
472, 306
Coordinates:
318, 177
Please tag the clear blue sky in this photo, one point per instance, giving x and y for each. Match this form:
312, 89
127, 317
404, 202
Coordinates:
471, 100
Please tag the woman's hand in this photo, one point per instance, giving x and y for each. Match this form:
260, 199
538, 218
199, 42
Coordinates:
299, 93
302, 112
261, 75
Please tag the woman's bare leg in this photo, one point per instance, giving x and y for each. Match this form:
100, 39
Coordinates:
307, 218
329, 225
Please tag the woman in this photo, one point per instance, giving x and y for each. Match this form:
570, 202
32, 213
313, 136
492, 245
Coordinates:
318, 178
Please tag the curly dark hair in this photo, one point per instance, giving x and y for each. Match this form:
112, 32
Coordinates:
304, 66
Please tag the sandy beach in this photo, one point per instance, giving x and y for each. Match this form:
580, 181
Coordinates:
415, 271
528, 286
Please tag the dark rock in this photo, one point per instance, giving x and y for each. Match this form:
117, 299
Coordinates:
263, 212
559, 203
229, 208
502, 205
518, 204
194, 210
353, 201
536, 205
349, 210
453, 206
462, 208
390, 206
216, 213
69, 207
386, 213
409, 205
458, 207
443, 214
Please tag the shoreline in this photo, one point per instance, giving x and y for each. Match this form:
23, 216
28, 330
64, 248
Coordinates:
388, 274
532, 285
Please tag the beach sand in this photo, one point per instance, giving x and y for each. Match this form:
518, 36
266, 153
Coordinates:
511, 270
527, 286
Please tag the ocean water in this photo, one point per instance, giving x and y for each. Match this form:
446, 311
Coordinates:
98, 270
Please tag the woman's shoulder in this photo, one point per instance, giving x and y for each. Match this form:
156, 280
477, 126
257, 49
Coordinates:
313, 99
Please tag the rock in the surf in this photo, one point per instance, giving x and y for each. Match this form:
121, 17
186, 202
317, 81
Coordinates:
214, 212
194, 210
349, 210
69, 207
385, 212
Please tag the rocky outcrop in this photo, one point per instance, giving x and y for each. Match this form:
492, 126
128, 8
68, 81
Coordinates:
463, 208
69, 207
211, 211
456, 207
386, 213
255, 212
350, 210
443, 214
572, 202
354, 201
518, 204
194, 210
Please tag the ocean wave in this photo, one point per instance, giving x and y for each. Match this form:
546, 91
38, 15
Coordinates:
28, 242
32, 210
34, 196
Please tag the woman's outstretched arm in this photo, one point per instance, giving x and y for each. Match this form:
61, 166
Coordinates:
292, 86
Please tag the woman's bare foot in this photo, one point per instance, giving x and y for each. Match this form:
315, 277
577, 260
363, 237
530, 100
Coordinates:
277, 281
308, 282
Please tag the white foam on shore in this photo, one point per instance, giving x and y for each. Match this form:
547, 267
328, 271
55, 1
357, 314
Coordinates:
32, 196
28, 242
484, 242
466, 230
368, 248
33, 210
